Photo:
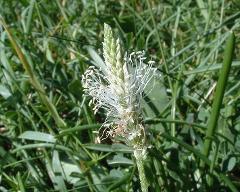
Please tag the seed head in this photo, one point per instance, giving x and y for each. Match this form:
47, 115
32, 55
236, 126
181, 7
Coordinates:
118, 89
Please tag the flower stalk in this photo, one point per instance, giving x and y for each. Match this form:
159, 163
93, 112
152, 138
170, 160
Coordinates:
118, 87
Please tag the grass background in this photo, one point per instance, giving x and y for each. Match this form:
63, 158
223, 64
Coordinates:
48, 134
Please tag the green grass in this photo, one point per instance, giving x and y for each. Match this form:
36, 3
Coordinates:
48, 133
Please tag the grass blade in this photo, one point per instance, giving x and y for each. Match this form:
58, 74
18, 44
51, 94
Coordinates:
36, 84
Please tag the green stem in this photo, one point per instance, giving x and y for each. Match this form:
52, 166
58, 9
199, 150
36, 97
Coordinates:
223, 76
138, 154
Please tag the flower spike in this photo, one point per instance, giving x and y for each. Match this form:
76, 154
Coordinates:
119, 92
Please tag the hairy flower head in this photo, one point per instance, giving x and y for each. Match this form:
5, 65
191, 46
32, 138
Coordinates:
118, 88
